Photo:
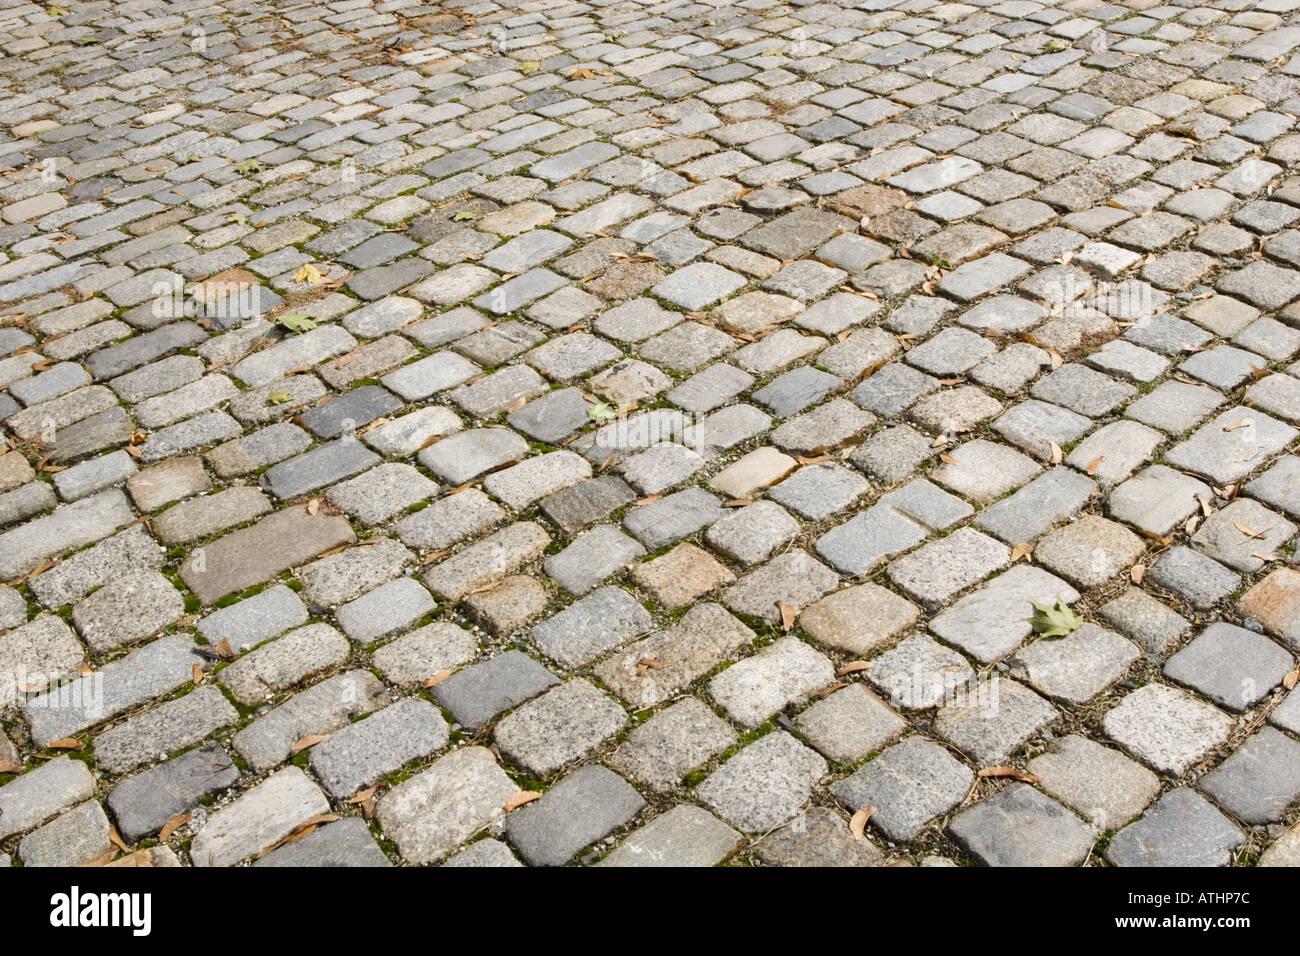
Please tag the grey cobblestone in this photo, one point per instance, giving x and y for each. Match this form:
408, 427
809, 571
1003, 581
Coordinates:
687, 354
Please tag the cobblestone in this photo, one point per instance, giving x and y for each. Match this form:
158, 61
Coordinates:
684, 354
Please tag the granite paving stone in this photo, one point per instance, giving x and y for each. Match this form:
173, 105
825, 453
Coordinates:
435, 811
1182, 829
1098, 783
143, 804
259, 819
764, 784
683, 836
1259, 781
1019, 826
362, 752
1230, 665
560, 726
1166, 728
908, 785
573, 814
321, 709
754, 360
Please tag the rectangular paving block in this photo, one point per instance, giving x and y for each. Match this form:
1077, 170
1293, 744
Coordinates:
259, 819
143, 804
321, 709
258, 553
142, 675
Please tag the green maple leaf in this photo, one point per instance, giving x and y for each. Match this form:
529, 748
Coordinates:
280, 397
463, 216
296, 321
600, 412
249, 166
1054, 621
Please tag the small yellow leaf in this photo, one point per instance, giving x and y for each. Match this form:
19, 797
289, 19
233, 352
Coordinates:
309, 274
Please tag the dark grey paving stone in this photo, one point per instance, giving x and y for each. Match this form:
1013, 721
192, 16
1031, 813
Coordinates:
1260, 780
1018, 826
1230, 665
143, 804
323, 465
345, 842
351, 411
477, 694
580, 505
575, 813
1182, 829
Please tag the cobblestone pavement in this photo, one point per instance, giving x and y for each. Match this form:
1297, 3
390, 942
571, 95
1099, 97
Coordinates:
634, 433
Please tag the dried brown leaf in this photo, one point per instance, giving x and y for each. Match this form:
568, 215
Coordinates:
788, 615
1008, 772
311, 740
520, 798
172, 825
853, 667
858, 822
436, 679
